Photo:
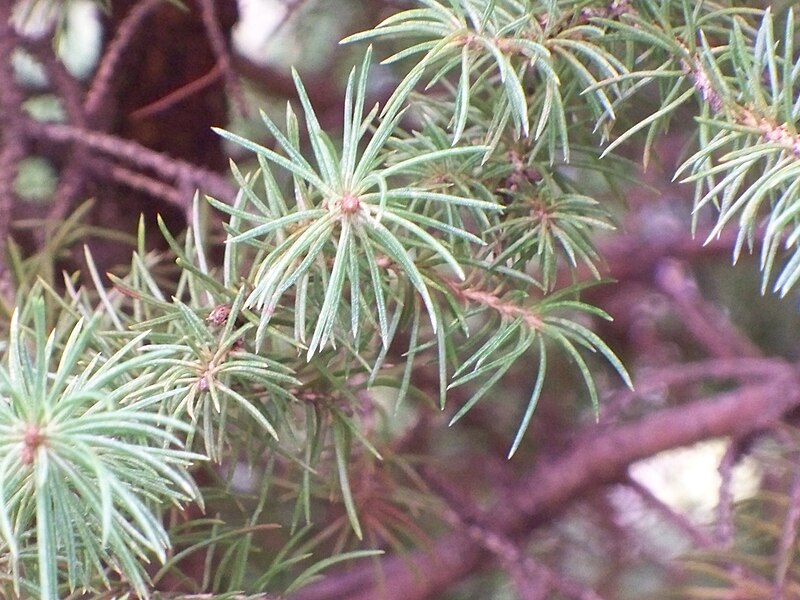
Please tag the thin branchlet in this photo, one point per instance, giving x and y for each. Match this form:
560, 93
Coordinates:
506, 309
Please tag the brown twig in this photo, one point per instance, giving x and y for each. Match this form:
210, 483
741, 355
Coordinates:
549, 487
67, 87
533, 579
724, 530
697, 535
106, 169
219, 47
178, 95
163, 166
495, 302
72, 178
13, 141
788, 540
99, 92
742, 370
709, 326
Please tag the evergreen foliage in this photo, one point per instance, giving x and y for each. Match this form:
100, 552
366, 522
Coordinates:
453, 227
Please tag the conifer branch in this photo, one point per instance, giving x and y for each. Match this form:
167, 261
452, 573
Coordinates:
446, 246
548, 488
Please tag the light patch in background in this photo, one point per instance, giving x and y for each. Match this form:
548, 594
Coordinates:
258, 20
79, 38
36, 179
688, 480
80, 43
34, 18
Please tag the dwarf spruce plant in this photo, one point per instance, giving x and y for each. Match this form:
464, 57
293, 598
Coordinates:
450, 228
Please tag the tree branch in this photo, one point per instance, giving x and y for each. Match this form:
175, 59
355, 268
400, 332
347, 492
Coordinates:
710, 327
12, 143
597, 458
133, 153
98, 94
219, 46
72, 181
